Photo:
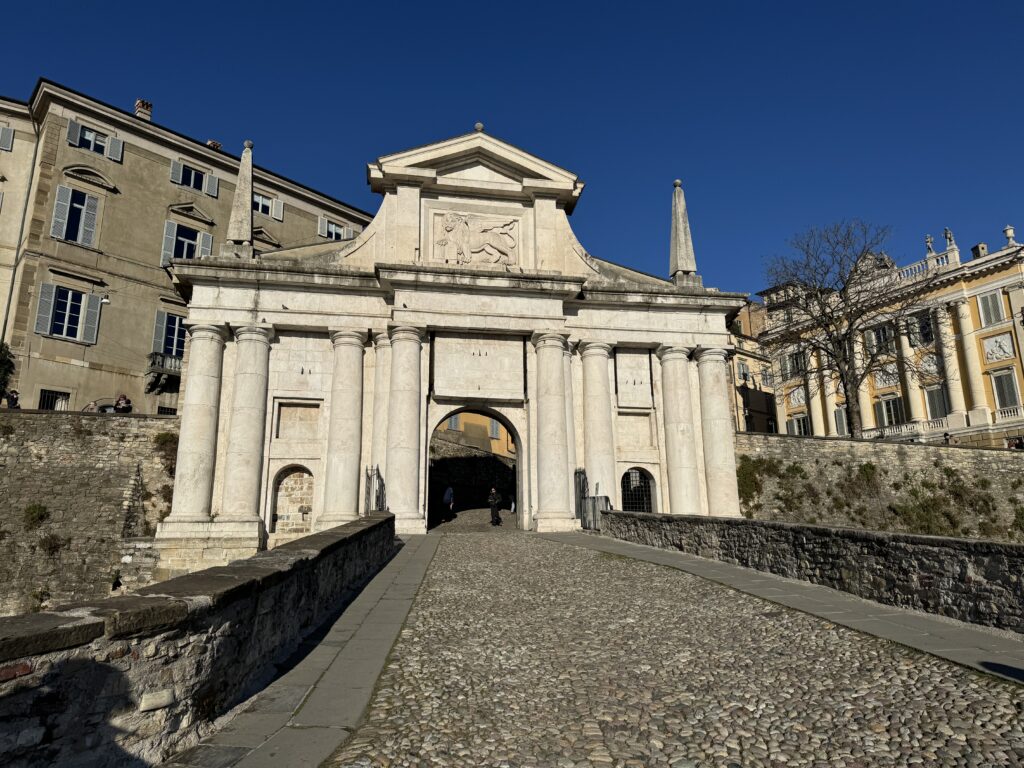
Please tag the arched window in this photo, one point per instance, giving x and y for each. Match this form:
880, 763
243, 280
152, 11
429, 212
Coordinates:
637, 487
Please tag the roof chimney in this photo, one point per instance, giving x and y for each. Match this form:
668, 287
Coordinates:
144, 109
213, 144
979, 251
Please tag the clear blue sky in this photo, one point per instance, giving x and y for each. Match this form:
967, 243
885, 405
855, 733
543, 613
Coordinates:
776, 116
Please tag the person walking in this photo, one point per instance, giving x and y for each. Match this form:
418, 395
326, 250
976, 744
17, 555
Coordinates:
449, 501
494, 500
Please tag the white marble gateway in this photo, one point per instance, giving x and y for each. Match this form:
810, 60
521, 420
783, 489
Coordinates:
469, 290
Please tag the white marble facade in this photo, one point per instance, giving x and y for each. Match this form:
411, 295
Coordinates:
468, 290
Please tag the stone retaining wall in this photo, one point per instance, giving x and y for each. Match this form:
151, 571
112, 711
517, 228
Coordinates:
72, 487
905, 487
969, 580
137, 677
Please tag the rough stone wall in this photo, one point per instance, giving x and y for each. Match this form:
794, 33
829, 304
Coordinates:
130, 680
909, 488
975, 581
72, 488
293, 502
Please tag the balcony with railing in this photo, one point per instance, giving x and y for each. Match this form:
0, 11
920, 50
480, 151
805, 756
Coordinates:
163, 374
1013, 413
933, 263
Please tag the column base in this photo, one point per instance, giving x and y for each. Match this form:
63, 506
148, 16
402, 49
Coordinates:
410, 526
957, 420
187, 546
556, 524
324, 525
980, 417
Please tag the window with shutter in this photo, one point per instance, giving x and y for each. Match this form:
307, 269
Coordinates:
211, 185
44, 312
87, 234
167, 253
60, 212
277, 209
453, 422
495, 429
159, 331
936, 399
840, 418
176, 171
321, 226
66, 317
115, 149
94, 141
990, 307
91, 325
1004, 384
205, 244
262, 203
74, 133
6, 139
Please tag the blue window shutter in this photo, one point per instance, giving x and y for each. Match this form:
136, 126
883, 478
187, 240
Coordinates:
74, 133
211, 185
205, 244
115, 149
170, 231
60, 212
6, 139
321, 226
91, 327
45, 310
89, 221
277, 209
159, 331
176, 171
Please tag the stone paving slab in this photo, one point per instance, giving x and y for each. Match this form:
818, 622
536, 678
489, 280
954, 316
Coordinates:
984, 649
302, 717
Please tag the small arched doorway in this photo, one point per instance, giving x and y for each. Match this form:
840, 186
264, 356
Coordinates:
293, 501
472, 451
637, 488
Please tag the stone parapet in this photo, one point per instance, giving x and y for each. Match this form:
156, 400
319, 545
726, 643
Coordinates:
970, 580
139, 677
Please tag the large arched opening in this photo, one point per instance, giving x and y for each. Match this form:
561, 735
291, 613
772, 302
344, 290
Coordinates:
637, 490
471, 452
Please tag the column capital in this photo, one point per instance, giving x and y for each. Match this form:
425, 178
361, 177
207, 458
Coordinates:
592, 348
544, 339
208, 332
955, 304
668, 352
257, 333
706, 355
381, 339
406, 333
348, 337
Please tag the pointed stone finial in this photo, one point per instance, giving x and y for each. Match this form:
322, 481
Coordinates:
479, 127
681, 257
240, 223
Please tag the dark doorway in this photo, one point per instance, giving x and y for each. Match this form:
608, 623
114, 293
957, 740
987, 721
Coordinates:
471, 452
637, 487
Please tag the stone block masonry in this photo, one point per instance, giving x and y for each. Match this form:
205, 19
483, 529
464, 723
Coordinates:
73, 488
968, 580
903, 487
133, 679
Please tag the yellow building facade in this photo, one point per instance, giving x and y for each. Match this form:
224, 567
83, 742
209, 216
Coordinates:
954, 365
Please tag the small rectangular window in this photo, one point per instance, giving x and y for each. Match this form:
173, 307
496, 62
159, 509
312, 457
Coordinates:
990, 307
495, 429
921, 332
192, 177
262, 203
164, 410
54, 400
743, 370
75, 215
891, 411
453, 422
798, 425
1004, 384
186, 240
92, 140
842, 428
67, 313
335, 231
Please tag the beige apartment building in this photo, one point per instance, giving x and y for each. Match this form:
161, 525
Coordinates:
95, 202
753, 377
954, 367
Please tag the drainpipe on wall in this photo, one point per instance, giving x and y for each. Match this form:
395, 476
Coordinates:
19, 251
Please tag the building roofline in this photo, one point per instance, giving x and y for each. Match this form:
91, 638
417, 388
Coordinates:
43, 82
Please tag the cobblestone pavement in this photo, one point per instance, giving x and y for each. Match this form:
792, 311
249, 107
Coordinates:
524, 652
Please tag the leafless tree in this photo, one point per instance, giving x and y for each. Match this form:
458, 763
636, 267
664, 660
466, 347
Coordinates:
836, 285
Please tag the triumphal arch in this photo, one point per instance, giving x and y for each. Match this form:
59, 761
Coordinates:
469, 289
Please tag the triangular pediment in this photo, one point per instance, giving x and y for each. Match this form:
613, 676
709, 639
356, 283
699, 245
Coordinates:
475, 162
261, 234
191, 211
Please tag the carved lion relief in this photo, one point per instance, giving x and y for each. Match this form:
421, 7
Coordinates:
473, 239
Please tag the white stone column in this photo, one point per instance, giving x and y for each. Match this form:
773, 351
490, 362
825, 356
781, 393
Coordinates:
243, 461
717, 429
552, 450
197, 441
598, 437
980, 412
813, 405
831, 403
680, 440
911, 385
402, 481
957, 417
779, 396
867, 411
345, 432
381, 391
570, 425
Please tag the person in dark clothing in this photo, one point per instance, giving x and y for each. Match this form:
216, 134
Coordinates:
12, 400
449, 502
123, 404
494, 500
